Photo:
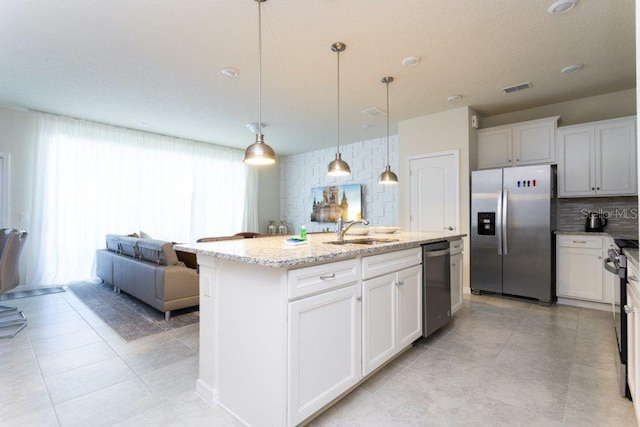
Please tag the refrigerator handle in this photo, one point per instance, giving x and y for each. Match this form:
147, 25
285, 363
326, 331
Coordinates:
499, 222
505, 219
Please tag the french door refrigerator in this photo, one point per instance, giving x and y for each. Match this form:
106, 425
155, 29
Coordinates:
513, 214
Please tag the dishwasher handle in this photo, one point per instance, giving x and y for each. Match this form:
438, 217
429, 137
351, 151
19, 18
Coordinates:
429, 254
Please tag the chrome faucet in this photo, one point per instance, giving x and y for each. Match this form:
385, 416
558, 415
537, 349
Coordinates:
341, 229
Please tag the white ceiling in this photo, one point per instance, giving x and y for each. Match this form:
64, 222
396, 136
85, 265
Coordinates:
158, 61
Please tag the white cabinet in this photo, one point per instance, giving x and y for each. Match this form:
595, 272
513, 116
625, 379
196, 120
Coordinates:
580, 268
633, 336
324, 349
598, 159
526, 143
392, 306
456, 275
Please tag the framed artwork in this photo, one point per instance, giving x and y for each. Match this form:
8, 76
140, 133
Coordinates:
336, 200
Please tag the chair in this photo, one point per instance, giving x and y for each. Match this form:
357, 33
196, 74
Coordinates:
217, 239
12, 321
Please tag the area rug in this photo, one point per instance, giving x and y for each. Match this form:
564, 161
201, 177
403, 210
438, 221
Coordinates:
129, 317
34, 293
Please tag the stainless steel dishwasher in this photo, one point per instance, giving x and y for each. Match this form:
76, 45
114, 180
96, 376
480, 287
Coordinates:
436, 287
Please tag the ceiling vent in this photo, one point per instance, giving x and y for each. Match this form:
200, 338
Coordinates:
516, 88
374, 112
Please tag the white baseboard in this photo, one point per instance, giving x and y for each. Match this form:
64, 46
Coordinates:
603, 306
206, 393
466, 290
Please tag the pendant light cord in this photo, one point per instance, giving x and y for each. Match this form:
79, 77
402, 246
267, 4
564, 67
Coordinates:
259, 67
338, 102
388, 160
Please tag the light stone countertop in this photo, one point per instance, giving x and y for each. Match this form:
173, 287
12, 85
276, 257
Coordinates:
273, 252
582, 233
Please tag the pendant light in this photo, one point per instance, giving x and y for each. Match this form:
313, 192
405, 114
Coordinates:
338, 167
259, 153
388, 177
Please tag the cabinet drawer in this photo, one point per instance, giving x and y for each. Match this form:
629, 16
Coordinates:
580, 242
457, 246
378, 265
321, 278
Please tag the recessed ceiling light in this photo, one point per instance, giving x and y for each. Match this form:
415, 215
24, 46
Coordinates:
410, 61
572, 69
454, 98
230, 72
368, 126
562, 6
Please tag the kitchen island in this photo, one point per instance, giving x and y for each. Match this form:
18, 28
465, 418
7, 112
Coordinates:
286, 331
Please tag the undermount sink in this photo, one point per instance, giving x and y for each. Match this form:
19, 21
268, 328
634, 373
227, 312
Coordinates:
364, 241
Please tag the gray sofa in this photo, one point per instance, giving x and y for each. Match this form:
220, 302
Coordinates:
149, 270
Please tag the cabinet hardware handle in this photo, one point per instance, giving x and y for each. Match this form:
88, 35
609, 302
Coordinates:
579, 241
450, 228
597, 188
402, 282
509, 160
592, 189
453, 265
629, 310
329, 277
599, 257
633, 278
517, 160
359, 299
398, 283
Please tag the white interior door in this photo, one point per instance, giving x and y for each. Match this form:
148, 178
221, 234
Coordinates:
433, 192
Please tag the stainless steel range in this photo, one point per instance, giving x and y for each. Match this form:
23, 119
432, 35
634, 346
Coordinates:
616, 263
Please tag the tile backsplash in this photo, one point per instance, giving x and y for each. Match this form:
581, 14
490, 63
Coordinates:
621, 213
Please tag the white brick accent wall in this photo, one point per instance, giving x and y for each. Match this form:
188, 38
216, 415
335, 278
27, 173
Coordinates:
300, 173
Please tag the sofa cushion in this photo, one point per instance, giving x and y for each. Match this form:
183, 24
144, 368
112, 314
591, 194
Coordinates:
112, 242
157, 251
129, 246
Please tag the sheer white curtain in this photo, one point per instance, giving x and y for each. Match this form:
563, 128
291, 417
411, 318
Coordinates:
92, 179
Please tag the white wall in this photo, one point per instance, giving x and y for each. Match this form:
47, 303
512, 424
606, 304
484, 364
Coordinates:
300, 173
591, 109
448, 130
268, 196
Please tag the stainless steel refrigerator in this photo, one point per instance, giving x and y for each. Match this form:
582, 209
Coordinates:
513, 214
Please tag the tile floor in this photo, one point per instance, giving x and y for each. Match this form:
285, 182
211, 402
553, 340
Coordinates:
499, 362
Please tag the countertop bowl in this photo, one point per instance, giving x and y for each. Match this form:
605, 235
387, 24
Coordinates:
357, 231
384, 230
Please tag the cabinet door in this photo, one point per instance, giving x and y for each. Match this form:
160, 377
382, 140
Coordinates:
616, 158
494, 148
580, 273
576, 162
324, 349
534, 143
409, 306
456, 282
378, 321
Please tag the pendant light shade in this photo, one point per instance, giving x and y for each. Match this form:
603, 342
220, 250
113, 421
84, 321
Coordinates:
259, 153
388, 177
338, 167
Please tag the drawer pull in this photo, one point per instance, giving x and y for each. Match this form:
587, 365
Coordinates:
629, 310
579, 241
328, 277
359, 299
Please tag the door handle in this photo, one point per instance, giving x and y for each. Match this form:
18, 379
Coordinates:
505, 220
499, 222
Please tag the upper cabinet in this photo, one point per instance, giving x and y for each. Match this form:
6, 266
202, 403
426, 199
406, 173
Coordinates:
598, 159
519, 144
